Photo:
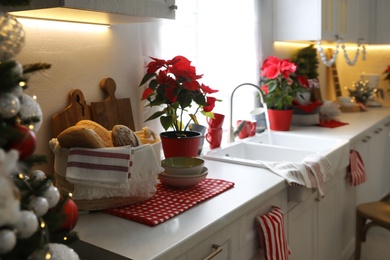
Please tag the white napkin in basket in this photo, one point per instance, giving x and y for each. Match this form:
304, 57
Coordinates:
103, 167
311, 172
144, 170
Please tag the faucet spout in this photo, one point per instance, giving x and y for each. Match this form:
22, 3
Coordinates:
231, 128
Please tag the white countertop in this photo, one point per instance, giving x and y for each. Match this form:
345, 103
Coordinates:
138, 241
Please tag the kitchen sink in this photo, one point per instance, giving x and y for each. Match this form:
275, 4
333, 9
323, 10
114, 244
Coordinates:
247, 153
282, 146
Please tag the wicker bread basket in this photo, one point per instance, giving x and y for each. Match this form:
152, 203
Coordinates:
66, 187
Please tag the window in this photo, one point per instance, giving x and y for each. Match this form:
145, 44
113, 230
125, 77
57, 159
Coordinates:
221, 39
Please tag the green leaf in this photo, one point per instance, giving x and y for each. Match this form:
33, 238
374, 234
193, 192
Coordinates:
146, 78
155, 115
153, 84
167, 121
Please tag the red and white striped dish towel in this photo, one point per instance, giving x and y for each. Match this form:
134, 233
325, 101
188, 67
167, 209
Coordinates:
357, 172
311, 172
102, 167
272, 234
113, 172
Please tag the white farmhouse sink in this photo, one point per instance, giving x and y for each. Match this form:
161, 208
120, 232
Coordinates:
284, 146
247, 153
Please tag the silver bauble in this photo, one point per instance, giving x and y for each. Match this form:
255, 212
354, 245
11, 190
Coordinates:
11, 37
29, 107
9, 105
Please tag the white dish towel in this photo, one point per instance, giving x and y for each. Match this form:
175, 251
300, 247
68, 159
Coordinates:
311, 172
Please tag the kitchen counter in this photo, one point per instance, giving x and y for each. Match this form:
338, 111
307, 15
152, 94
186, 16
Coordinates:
181, 233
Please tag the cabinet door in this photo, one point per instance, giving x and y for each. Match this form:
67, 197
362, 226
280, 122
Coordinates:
303, 229
382, 21
329, 228
248, 239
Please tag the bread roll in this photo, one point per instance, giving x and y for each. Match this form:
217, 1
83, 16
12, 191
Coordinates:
121, 135
80, 136
99, 129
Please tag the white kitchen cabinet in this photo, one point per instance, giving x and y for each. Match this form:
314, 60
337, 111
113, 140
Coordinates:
374, 146
239, 239
312, 20
381, 20
314, 227
248, 236
97, 11
225, 240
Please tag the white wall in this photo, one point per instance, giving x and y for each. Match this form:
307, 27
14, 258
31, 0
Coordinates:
80, 60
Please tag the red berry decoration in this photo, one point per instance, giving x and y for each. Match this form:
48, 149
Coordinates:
72, 214
26, 143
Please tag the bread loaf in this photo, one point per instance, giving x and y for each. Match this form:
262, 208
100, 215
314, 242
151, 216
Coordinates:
99, 129
121, 135
80, 136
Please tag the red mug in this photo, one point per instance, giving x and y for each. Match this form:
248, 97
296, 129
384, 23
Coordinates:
252, 127
215, 122
214, 137
248, 130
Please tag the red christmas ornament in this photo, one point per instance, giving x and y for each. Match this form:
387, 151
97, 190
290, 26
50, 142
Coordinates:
26, 143
72, 214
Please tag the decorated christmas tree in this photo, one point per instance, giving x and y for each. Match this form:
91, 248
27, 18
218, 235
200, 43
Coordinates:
35, 220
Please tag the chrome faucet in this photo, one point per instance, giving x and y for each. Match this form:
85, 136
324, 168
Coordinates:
232, 133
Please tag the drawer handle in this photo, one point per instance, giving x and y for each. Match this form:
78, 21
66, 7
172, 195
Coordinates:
173, 7
377, 131
218, 249
366, 139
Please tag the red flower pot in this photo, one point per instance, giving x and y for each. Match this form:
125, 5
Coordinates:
280, 120
180, 144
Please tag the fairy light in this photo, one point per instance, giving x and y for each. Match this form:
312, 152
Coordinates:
22, 83
63, 25
43, 224
65, 238
70, 194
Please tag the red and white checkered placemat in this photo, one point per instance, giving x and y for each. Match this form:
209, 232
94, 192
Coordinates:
169, 202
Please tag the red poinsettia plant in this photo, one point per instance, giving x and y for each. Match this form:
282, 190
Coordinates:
174, 85
280, 84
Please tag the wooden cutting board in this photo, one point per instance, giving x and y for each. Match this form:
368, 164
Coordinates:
112, 111
76, 110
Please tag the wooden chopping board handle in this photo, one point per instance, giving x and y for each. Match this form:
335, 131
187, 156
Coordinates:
76, 110
108, 86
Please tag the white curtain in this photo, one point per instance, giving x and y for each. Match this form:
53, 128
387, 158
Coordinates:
222, 39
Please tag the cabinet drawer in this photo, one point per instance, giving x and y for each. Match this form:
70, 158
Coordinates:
226, 239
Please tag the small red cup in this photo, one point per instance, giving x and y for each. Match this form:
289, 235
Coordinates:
248, 130
214, 137
215, 122
251, 127
244, 133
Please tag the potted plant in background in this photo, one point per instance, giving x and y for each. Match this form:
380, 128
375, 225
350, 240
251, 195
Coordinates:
174, 86
279, 89
306, 105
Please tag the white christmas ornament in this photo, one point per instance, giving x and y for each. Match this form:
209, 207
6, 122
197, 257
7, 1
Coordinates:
7, 241
29, 107
52, 195
27, 224
39, 205
57, 252
8, 162
9, 105
9, 202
